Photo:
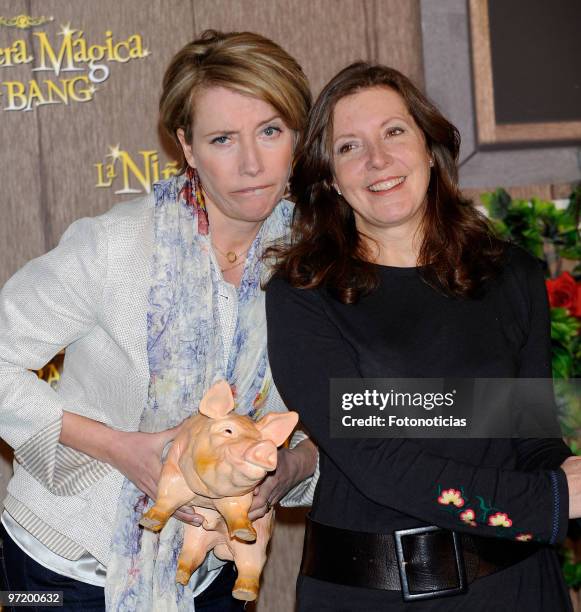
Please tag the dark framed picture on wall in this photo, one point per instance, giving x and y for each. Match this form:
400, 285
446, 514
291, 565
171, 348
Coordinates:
519, 95
508, 74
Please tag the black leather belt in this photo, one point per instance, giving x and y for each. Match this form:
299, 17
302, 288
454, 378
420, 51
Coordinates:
422, 563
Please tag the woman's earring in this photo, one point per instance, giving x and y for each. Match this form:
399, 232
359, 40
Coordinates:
338, 190
431, 162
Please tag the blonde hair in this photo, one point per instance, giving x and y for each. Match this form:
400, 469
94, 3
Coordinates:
244, 62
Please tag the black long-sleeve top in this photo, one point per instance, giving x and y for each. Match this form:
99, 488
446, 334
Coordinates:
407, 329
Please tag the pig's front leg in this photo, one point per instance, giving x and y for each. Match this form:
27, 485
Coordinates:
172, 492
235, 513
250, 559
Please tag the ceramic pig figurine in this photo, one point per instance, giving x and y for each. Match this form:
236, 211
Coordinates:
214, 464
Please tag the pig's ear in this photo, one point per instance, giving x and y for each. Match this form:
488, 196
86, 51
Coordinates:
277, 426
218, 401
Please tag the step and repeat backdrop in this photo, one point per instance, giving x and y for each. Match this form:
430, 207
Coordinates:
80, 83
79, 88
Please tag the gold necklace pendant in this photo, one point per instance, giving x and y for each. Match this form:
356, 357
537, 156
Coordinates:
231, 256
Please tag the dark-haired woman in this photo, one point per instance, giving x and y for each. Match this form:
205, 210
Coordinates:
392, 274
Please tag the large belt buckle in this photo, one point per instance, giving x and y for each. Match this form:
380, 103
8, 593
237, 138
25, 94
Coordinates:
409, 595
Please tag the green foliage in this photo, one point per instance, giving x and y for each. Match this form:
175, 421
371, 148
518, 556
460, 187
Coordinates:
571, 570
532, 223
566, 347
569, 403
538, 226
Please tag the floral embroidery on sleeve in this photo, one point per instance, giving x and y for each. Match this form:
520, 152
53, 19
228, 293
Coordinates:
476, 511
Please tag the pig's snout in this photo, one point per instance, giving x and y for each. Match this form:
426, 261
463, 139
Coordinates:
262, 454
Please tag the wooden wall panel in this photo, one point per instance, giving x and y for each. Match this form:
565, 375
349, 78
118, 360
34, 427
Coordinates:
397, 30
22, 204
326, 35
323, 35
123, 111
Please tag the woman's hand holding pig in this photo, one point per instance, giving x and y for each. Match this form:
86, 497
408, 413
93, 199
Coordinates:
293, 466
137, 455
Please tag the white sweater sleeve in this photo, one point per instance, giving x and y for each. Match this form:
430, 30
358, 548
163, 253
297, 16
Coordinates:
51, 302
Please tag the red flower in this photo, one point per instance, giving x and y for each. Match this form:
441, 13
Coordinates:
564, 292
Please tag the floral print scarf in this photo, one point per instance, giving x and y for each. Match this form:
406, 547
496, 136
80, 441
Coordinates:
186, 356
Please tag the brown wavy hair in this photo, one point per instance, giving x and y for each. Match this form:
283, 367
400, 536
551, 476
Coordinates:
459, 250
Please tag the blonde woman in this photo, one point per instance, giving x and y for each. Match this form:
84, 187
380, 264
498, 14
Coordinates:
153, 301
